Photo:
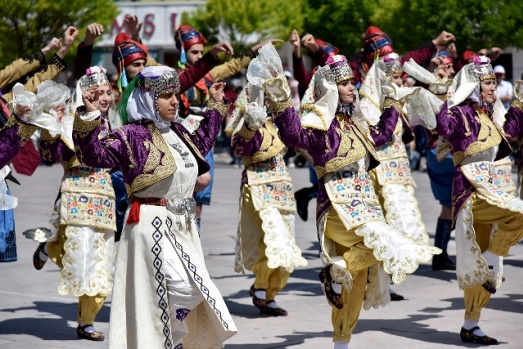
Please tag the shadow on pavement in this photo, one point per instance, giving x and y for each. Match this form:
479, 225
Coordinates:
45, 325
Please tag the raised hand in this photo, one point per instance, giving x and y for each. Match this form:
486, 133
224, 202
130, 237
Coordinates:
216, 91
224, 46
495, 52
294, 40
93, 31
70, 35
90, 99
260, 45
21, 110
443, 39
452, 50
51, 46
133, 27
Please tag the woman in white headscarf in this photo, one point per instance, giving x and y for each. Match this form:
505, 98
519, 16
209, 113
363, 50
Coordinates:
84, 220
163, 296
265, 241
477, 127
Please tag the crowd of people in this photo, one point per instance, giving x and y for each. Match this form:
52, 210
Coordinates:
137, 154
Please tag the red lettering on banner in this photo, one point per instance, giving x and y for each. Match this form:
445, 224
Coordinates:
118, 28
173, 22
148, 24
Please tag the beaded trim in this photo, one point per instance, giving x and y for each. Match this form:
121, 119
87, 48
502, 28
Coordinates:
60, 63
483, 71
166, 83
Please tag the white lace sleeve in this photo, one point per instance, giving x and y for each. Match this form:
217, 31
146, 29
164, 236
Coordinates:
49, 95
265, 66
421, 106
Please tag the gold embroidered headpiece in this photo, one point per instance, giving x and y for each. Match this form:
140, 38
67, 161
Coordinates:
482, 69
390, 64
340, 68
94, 77
159, 84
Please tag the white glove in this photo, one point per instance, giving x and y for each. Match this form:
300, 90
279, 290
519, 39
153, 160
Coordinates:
255, 116
277, 89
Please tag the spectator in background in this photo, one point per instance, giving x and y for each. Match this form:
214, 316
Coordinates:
504, 88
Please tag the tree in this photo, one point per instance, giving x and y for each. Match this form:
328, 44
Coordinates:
409, 23
245, 22
28, 25
476, 24
339, 22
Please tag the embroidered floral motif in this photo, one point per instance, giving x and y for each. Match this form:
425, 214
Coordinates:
88, 198
395, 171
353, 196
268, 171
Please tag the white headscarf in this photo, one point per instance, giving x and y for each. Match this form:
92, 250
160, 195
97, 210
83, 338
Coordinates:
467, 85
143, 101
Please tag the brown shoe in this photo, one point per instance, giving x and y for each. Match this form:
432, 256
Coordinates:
91, 336
262, 304
468, 336
37, 262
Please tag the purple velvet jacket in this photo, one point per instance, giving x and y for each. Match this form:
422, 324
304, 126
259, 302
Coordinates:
258, 145
13, 137
337, 147
55, 148
139, 149
461, 125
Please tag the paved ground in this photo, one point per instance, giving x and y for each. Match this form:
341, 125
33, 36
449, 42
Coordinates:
33, 315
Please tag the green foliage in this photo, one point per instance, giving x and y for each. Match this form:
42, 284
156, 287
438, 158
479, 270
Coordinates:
340, 22
476, 24
410, 23
28, 25
239, 20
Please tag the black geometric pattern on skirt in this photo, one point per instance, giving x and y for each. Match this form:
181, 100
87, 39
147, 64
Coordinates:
161, 289
199, 280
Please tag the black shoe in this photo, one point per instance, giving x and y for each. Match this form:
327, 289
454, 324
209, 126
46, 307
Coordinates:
489, 286
37, 262
468, 336
396, 297
333, 297
442, 262
302, 203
